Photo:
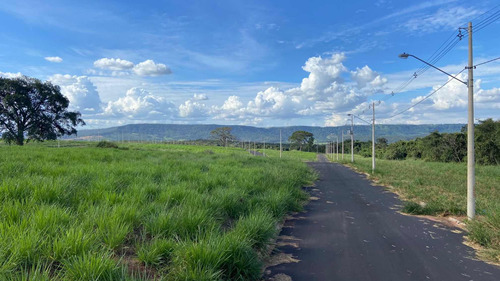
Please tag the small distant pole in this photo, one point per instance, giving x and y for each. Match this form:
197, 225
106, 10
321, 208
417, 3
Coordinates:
264, 148
342, 143
352, 138
281, 147
337, 148
373, 139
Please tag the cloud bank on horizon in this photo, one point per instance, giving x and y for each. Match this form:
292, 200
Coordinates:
263, 71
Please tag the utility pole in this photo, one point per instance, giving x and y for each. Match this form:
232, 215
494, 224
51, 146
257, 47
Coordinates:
352, 138
337, 148
373, 139
281, 148
471, 162
342, 143
331, 150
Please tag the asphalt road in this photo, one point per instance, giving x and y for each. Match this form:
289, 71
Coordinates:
353, 231
255, 153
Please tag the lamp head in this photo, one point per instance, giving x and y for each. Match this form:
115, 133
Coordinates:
404, 55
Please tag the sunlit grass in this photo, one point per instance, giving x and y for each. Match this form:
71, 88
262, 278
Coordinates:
291, 154
78, 212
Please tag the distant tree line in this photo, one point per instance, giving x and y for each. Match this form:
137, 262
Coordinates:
445, 147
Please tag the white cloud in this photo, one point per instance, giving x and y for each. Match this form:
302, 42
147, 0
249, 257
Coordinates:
322, 73
274, 102
335, 120
140, 104
80, 91
324, 90
454, 94
488, 98
200, 97
150, 68
113, 64
11, 75
232, 103
193, 109
54, 59
367, 77
232, 109
449, 17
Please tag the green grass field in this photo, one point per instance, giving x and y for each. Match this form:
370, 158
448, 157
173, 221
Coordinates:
141, 212
442, 187
292, 154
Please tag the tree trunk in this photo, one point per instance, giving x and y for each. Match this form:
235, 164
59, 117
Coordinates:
20, 137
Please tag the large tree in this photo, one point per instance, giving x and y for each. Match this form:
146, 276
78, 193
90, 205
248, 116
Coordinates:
302, 139
223, 135
34, 110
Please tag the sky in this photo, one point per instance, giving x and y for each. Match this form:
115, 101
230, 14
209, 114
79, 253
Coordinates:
259, 63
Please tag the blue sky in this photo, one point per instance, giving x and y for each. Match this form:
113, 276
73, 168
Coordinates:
263, 63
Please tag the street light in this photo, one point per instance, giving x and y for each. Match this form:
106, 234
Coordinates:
471, 203
405, 56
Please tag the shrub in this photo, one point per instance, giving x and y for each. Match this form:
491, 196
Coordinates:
107, 144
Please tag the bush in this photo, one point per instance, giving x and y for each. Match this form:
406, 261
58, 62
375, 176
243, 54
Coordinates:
107, 144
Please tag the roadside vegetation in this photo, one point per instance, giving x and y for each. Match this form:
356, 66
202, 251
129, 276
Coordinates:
439, 147
440, 189
291, 154
141, 211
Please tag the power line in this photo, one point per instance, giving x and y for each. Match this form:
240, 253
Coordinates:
485, 24
485, 13
487, 62
444, 49
426, 97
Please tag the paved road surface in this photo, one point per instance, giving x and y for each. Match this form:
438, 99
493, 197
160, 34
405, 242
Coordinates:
354, 232
255, 153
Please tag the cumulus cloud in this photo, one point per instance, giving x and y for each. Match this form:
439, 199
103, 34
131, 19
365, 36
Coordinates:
11, 75
323, 90
231, 109
193, 109
80, 91
200, 97
367, 77
322, 73
274, 102
113, 64
488, 98
335, 119
141, 104
150, 68
120, 67
54, 59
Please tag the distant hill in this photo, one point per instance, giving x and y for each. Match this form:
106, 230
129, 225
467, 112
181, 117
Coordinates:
169, 132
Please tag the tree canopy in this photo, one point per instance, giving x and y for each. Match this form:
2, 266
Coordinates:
302, 139
34, 110
442, 147
223, 135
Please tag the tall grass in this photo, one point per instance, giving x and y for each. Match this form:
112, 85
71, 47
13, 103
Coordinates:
435, 188
144, 212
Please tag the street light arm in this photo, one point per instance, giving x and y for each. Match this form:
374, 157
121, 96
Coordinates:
359, 118
404, 56
362, 119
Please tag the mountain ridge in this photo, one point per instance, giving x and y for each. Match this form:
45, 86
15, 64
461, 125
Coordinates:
185, 132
